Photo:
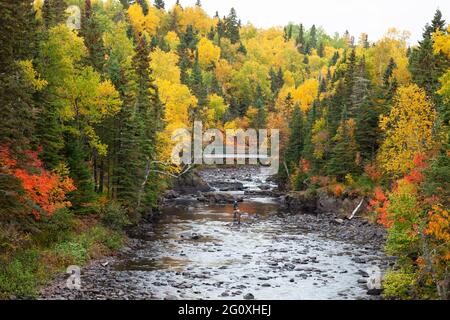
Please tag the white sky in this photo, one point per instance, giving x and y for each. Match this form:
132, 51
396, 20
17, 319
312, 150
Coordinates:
371, 16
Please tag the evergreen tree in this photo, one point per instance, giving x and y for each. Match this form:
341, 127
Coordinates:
197, 86
349, 81
313, 37
294, 148
17, 109
300, 40
232, 26
261, 116
308, 147
77, 159
93, 38
321, 50
365, 113
242, 49
344, 150
188, 42
276, 80
212, 34
334, 59
426, 68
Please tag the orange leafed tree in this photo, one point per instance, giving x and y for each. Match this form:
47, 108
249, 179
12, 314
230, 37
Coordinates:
43, 191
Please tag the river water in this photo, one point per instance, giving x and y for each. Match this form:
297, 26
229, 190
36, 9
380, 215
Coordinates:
196, 251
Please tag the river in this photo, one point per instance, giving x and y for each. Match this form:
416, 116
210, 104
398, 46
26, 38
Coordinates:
194, 250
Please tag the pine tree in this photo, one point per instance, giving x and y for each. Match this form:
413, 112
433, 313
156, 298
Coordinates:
321, 50
92, 34
294, 148
308, 147
426, 68
83, 197
389, 81
212, 34
197, 86
334, 59
47, 14
313, 37
349, 80
365, 113
344, 150
232, 27
261, 116
242, 49
188, 42
276, 81
300, 40
17, 109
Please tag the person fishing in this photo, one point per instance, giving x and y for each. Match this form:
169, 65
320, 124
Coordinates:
236, 212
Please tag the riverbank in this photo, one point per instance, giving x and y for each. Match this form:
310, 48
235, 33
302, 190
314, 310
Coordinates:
192, 250
27, 269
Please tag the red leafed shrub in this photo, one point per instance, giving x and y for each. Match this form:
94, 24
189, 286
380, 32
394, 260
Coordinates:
305, 165
338, 190
372, 172
380, 204
44, 191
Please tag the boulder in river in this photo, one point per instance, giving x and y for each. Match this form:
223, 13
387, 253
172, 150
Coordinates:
191, 183
249, 296
215, 197
228, 186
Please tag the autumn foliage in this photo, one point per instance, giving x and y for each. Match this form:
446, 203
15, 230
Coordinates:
44, 192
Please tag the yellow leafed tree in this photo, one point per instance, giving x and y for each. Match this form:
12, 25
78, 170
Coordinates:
146, 24
408, 130
208, 53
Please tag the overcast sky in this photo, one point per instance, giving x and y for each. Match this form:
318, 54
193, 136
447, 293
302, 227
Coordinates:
371, 16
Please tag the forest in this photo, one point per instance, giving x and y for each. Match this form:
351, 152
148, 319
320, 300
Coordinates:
88, 108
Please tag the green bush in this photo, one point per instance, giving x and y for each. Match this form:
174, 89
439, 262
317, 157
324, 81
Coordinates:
114, 216
20, 276
113, 240
399, 285
76, 252
54, 229
364, 183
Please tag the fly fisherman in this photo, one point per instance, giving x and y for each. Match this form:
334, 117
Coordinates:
236, 212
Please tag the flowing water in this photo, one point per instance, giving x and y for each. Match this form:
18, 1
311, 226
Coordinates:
195, 251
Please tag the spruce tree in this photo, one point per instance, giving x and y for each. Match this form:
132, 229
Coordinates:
93, 38
17, 109
300, 40
308, 147
321, 50
197, 86
349, 81
77, 159
313, 37
261, 116
294, 148
365, 112
344, 150
232, 25
427, 68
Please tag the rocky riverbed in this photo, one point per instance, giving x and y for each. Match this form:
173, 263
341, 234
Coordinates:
193, 250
